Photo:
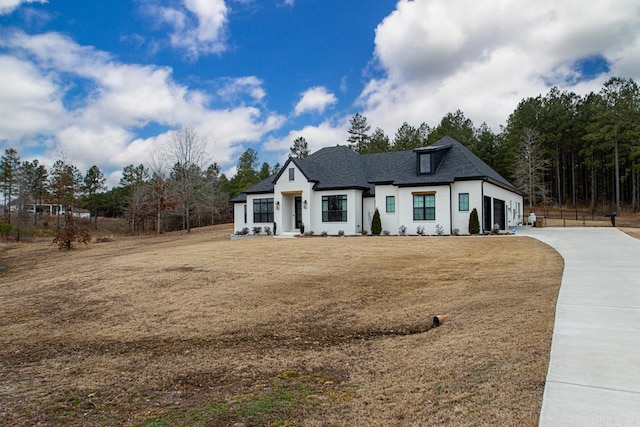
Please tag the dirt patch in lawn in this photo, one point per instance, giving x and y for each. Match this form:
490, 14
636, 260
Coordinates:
200, 330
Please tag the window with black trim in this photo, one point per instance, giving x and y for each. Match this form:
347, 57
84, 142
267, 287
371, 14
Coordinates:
424, 207
391, 204
263, 210
424, 163
292, 174
463, 202
334, 208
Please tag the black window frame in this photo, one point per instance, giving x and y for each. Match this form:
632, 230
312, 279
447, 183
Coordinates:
393, 204
424, 212
263, 210
335, 208
292, 174
429, 163
460, 204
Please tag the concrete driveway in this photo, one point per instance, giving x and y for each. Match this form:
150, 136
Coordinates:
594, 370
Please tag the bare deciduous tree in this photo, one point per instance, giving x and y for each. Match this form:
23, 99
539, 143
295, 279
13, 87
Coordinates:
134, 180
159, 190
530, 167
139, 205
187, 152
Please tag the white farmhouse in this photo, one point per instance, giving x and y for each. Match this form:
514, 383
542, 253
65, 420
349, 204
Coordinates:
336, 190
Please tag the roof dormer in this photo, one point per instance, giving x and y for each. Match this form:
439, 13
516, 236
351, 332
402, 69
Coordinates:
428, 159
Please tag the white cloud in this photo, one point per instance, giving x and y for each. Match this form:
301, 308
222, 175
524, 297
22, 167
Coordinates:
198, 25
227, 129
110, 103
315, 99
234, 88
30, 101
8, 6
87, 145
323, 135
441, 55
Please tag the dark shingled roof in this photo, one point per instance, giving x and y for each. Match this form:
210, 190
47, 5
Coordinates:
340, 168
263, 187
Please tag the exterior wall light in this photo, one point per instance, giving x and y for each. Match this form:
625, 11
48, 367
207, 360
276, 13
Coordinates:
278, 205
304, 204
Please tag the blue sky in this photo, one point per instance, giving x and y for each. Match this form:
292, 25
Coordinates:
105, 82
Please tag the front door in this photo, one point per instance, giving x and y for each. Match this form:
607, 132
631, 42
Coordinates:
298, 212
486, 214
499, 213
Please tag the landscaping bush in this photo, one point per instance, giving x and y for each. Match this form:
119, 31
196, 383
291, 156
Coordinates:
402, 230
420, 230
439, 230
257, 230
376, 224
474, 222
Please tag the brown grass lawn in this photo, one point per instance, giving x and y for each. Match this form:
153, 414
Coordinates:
633, 232
199, 330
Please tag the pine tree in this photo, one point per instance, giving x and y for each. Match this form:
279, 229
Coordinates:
378, 143
94, 181
300, 148
358, 137
408, 137
9, 165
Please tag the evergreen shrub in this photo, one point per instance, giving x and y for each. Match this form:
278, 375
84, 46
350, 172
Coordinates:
376, 224
474, 222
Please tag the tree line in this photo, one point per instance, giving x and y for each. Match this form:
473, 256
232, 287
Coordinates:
559, 148
179, 186
174, 188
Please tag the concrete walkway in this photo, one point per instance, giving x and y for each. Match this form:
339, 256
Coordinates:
594, 370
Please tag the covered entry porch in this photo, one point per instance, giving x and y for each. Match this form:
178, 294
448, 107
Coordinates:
291, 210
